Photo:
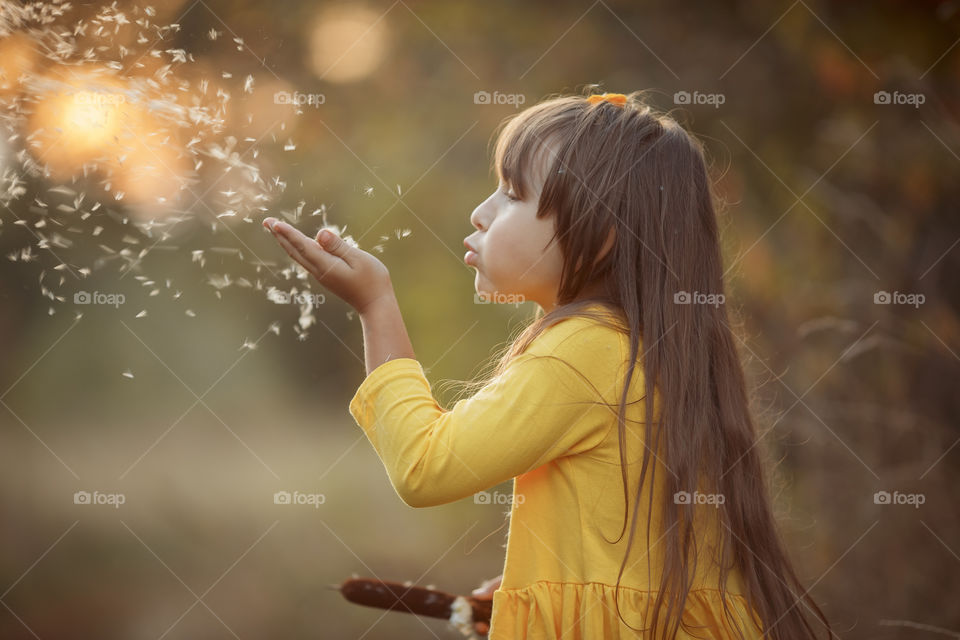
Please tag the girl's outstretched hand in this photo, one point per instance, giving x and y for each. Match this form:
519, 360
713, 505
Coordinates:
350, 273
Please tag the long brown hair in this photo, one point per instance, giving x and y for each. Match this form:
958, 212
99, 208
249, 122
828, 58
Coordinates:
636, 171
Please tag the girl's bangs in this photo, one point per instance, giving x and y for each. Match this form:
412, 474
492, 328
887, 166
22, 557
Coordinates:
524, 136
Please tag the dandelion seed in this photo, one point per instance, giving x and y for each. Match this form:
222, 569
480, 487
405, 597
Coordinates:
213, 34
142, 314
219, 281
127, 374
402, 233
191, 313
248, 344
248, 84
289, 146
307, 318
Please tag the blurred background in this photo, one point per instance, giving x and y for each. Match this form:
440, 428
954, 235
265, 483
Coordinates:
166, 370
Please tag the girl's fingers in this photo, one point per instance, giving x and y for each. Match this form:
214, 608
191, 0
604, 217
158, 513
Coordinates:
305, 250
310, 250
336, 245
318, 271
294, 254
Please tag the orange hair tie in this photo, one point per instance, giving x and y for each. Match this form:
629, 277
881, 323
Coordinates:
616, 98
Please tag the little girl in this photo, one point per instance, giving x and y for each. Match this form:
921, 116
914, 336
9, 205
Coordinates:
621, 407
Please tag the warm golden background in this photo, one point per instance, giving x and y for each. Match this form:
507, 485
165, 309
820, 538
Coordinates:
202, 408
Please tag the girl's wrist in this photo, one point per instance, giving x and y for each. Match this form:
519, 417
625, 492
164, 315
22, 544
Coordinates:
384, 334
385, 302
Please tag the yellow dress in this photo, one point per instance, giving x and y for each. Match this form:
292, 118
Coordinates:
541, 423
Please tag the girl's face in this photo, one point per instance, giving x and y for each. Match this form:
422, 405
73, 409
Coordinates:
511, 249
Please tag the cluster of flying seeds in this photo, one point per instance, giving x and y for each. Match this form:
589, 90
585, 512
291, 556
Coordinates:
117, 144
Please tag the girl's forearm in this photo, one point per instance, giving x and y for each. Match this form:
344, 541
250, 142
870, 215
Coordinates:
384, 334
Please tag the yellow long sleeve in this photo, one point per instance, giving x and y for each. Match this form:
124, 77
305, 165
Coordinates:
550, 423
542, 407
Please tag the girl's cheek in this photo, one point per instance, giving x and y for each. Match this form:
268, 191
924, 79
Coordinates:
503, 242
498, 266
544, 268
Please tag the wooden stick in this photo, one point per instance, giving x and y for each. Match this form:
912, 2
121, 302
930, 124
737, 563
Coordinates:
462, 611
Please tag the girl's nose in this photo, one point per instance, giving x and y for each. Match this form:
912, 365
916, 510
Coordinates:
475, 218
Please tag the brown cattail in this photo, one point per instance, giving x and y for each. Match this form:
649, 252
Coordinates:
461, 611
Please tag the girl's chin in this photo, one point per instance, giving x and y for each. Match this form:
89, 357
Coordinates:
480, 284
486, 292
483, 292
